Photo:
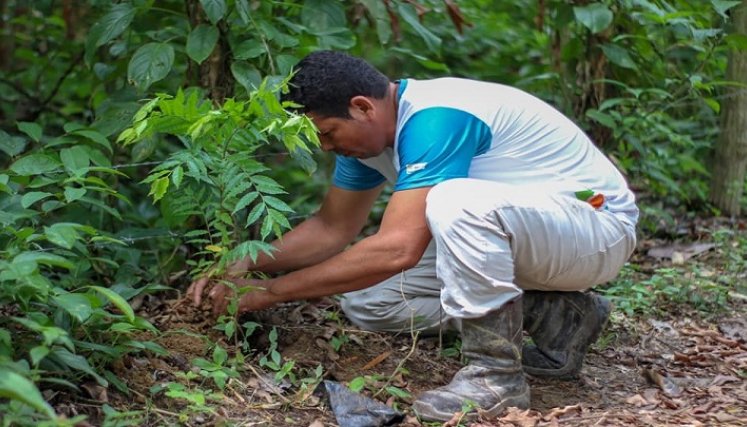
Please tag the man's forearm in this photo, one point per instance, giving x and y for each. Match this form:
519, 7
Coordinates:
366, 263
309, 243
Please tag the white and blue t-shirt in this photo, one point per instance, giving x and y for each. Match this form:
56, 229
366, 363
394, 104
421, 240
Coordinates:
455, 128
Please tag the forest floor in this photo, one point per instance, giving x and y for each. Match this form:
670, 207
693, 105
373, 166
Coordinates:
674, 353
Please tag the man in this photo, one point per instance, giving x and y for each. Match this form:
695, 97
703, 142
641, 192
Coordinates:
496, 195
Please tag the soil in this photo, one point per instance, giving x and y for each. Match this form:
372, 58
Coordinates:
650, 372
672, 367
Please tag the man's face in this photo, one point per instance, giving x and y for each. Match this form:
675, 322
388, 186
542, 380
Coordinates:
361, 136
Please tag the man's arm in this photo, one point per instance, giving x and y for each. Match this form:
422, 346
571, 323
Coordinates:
341, 217
398, 245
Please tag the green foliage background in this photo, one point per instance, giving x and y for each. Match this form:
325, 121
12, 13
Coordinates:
139, 137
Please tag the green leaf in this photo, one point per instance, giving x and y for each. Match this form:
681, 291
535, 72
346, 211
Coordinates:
35, 164
255, 213
33, 130
242, 6
201, 42
378, 10
62, 234
38, 353
410, 16
118, 302
177, 175
602, 118
143, 149
11, 145
713, 103
122, 387
267, 225
16, 387
278, 218
618, 56
29, 199
158, 188
44, 258
214, 9
76, 304
248, 49
357, 384
245, 201
277, 204
285, 63
320, 15
398, 392
77, 362
150, 63
596, 16
219, 355
112, 24
246, 75
95, 136
72, 194
75, 158
722, 6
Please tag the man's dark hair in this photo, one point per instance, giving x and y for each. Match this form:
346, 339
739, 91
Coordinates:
325, 81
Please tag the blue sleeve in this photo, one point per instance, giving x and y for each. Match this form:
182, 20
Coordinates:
350, 174
438, 144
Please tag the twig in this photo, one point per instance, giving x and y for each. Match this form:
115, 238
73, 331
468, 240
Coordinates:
413, 334
62, 78
164, 412
17, 88
270, 389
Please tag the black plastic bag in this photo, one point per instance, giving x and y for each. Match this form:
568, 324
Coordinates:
356, 410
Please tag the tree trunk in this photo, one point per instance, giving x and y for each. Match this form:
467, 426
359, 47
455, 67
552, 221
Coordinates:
730, 160
215, 72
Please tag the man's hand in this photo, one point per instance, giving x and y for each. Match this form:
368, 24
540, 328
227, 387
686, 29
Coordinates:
256, 298
197, 287
259, 297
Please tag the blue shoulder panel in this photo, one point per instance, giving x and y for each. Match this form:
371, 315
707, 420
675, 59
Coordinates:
350, 174
437, 144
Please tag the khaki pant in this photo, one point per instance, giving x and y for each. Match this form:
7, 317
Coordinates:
491, 241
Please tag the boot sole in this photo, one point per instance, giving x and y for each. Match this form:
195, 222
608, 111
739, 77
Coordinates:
430, 413
571, 371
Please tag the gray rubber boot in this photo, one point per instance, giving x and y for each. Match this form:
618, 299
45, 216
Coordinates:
562, 325
493, 380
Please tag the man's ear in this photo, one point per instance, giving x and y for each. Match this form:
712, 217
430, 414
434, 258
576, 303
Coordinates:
361, 106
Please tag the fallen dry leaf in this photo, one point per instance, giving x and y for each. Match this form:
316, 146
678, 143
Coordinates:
376, 360
723, 379
455, 420
735, 328
559, 412
637, 400
666, 384
680, 253
96, 392
316, 423
520, 418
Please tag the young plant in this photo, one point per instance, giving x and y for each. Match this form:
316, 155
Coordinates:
273, 360
216, 368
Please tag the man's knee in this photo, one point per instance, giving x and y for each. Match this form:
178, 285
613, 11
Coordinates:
353, 307
368, 312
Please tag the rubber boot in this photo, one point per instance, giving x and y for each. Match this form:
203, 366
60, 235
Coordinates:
493, 380
562, 325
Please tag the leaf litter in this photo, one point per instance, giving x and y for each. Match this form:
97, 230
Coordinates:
671, 368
